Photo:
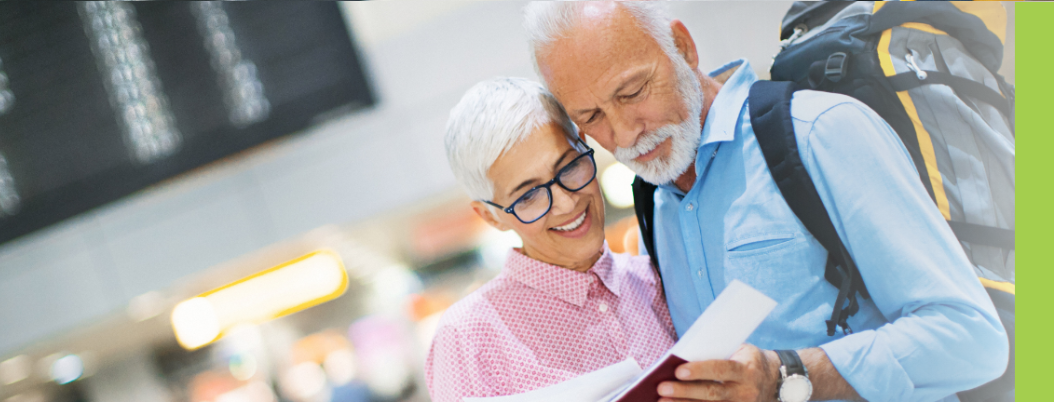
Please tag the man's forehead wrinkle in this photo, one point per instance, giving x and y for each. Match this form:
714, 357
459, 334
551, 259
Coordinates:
596, 43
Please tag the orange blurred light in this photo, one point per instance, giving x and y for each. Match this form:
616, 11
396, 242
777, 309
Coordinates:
293, 286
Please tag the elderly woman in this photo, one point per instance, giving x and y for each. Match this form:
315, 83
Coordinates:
564, 304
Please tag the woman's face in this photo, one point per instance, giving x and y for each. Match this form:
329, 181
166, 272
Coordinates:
571, 235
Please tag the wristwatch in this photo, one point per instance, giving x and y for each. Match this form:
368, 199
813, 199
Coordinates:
794, 384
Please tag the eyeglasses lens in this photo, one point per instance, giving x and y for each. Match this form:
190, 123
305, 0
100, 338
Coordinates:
573, 177
578, 174
533, 205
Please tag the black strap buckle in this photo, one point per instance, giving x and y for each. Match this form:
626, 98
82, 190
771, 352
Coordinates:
835, 67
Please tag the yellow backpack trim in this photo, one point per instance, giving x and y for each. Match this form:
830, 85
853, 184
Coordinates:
885, 59
997, 285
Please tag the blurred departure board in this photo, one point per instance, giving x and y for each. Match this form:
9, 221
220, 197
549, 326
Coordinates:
101, 99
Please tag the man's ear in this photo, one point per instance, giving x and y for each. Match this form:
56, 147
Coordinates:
485, 212
684, 43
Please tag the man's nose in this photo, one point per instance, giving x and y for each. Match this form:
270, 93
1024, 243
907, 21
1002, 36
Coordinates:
625, 128
563, 201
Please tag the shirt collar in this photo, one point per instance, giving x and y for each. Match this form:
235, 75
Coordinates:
720, 123
562, 283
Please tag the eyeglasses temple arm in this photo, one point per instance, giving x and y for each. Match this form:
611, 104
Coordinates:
496, 205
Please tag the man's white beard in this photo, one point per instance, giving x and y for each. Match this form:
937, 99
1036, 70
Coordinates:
684, 136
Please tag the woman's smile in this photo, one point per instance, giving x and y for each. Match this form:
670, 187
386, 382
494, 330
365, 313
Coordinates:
576, 227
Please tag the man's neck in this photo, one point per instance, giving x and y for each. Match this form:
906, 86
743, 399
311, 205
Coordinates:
711, 86
685, 181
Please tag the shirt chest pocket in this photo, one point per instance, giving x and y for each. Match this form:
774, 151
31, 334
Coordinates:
775, 263
767, 247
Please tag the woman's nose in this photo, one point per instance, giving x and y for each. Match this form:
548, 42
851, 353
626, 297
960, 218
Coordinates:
563, 201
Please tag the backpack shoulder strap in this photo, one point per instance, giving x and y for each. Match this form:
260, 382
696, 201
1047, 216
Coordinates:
770, 116
644, 206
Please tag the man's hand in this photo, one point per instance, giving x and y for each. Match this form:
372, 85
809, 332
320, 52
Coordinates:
750, 375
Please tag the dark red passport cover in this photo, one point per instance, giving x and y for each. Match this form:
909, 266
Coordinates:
645, 389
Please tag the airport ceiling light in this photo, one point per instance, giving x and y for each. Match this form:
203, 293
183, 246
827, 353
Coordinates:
293, 286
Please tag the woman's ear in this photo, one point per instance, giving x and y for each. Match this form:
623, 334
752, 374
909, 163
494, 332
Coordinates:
486, 213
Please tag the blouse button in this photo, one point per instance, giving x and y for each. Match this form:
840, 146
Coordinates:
603, 308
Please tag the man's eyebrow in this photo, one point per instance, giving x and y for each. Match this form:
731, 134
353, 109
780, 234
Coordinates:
586, 112
637, 76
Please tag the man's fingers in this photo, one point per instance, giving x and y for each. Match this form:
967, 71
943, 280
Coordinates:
710, 370
696, 390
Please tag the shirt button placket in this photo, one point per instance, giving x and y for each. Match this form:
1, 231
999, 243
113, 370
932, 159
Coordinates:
611, 321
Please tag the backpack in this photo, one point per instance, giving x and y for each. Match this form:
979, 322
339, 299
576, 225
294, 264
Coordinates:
930, 70
852, 51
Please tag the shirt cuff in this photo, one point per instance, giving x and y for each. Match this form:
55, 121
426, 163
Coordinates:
869, 367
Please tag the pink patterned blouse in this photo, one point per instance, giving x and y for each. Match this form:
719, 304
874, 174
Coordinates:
537, 324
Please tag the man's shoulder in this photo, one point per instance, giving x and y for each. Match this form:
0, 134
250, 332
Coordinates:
808, 105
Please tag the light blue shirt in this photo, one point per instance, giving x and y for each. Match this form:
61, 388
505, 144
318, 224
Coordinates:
929, 329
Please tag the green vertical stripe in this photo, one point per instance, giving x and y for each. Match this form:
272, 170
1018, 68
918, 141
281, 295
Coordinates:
1035, 102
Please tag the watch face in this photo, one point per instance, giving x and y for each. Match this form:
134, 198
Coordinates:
796, 388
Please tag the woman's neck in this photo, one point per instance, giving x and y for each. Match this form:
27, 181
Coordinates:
580, 266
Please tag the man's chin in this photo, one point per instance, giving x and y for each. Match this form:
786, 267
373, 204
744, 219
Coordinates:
657, 175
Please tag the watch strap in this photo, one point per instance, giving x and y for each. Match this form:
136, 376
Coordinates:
792, 362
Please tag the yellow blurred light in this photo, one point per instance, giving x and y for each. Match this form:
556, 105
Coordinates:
195, 323
293, 286
616, 181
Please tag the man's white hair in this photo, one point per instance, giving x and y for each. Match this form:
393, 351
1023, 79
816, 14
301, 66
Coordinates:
547, 21
491, 118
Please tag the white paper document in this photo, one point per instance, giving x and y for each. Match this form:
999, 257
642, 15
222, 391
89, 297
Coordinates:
725, 325
589, 387
716, 334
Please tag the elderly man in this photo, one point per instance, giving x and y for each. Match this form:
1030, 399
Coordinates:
627, 75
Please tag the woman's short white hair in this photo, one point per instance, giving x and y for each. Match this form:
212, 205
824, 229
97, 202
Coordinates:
491, 118
547, 21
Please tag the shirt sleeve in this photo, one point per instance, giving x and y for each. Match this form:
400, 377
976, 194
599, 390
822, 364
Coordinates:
943, 335
452, 370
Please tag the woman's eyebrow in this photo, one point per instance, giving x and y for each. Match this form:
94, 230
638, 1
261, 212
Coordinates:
522, 185
556, 167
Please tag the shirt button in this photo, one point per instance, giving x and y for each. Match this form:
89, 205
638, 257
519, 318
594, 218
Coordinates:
690, 207
603, 308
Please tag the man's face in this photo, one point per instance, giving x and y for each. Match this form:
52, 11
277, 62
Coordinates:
621, 89
572, 233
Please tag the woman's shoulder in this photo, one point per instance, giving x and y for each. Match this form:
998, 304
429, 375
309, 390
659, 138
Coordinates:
476, 312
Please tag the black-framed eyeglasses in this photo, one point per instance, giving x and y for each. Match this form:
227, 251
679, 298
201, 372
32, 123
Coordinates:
537, 201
